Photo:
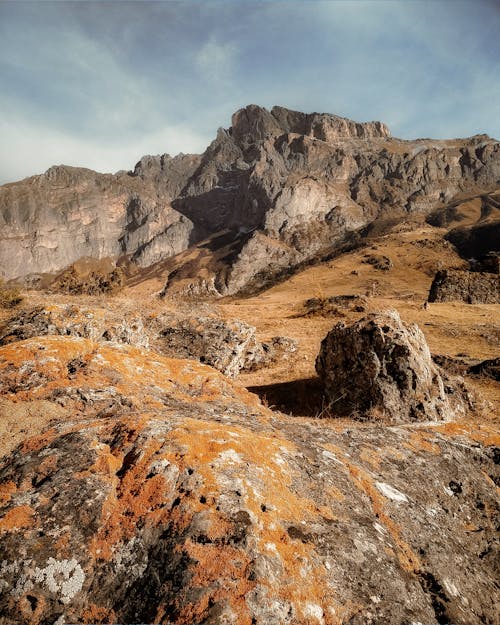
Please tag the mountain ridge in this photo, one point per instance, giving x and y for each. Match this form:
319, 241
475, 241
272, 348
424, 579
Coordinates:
295, 182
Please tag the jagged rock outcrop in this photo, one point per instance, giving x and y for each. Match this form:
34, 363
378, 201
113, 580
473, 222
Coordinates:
72, 320
381, 368
451, 285
287, 185
186, 501
49, 221
229, 346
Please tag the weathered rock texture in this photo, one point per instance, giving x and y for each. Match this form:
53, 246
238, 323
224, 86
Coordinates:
381, 368
71, 320
283, 186
178, 498
49, 221
228, 346
476, 287
488, 368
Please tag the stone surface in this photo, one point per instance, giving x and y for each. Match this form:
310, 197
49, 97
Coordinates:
283, 186
49, 221
227, 345
380, 368
471, 287
72, 320
186, 501
488, 368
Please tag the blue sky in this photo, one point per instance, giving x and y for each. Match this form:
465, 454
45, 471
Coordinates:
99, 84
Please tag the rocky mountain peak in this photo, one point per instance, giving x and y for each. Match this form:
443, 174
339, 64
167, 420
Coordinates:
255, 123
296, 184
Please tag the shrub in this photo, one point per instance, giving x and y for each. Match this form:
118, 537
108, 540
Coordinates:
9, 296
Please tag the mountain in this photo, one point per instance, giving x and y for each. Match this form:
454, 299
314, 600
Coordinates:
274, 190
320, 452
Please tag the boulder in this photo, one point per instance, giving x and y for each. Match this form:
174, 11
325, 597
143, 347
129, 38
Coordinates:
471, 287
228, 346
380, 367
72, 320
189, 502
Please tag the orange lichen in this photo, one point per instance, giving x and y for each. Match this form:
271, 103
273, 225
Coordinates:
408, 559
485, 434
97, 614
30, 615
419, 441
35, 443
17, 518
335, 493
371, 455
470, 527
62, 543
224, 570
7, 489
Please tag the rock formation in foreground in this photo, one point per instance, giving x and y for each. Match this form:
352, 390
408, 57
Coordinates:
471, 287
165, 494
381, 368
227, 345
275, 189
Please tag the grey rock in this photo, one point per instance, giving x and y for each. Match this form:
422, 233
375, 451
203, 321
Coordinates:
70, 320
380, 368
471, 287
227, 345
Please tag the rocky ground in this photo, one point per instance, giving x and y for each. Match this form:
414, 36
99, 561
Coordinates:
140, 488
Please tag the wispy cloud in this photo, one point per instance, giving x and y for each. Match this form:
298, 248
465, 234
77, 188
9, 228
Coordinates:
216, 60
50, 146
100, 83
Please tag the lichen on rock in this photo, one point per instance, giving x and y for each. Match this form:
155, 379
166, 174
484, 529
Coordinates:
193, 503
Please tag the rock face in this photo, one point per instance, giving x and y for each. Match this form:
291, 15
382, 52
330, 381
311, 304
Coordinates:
476, 287
75, 321
283, 185
50, 221
381, 368
169, 495
228, 346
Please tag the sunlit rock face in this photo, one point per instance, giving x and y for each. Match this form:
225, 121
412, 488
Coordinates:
471, 287
381, 368
164, 493
283, 185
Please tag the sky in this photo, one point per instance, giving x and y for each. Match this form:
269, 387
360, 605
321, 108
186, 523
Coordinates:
99, 84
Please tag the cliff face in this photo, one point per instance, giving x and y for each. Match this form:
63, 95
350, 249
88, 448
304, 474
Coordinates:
52, 220
285, 184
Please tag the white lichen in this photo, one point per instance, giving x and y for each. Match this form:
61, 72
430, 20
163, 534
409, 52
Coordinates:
62, 577
313, 611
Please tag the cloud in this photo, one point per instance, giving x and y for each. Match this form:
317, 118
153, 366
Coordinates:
215, 60
32, 149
